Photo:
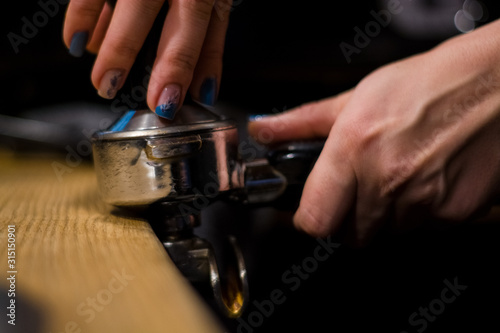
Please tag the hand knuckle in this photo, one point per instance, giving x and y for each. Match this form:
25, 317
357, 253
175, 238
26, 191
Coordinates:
456, 212
389, 169
124, 48
313, 224
85, 8
150, 7
199, 8
394, 175
182, 59
223, 6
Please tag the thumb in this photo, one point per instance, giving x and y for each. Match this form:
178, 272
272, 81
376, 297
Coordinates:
311, 120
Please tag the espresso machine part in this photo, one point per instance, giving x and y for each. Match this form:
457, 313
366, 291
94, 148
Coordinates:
171, 170
144, 159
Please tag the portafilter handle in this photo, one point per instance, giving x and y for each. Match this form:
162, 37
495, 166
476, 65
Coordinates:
279, 178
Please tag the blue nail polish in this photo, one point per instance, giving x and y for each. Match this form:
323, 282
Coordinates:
168, 101
208, 91
257, 117
78, 43
166, 110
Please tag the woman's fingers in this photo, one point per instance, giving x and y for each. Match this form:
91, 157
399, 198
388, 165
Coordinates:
100, 29
81, 19
312, 120
206, 79
192, 28
179, 49
130, 24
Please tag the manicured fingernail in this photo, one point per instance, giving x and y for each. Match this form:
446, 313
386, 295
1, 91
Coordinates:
110, 83
169, 101
78, 43
208, 91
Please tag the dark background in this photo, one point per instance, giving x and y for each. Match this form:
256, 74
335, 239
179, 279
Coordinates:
280, 54
277, 54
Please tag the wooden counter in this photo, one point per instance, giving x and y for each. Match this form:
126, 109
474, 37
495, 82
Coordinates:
79, 268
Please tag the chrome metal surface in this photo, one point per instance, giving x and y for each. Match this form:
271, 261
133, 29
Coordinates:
175, 168
141, 159
195, 258
262, 182
144, 123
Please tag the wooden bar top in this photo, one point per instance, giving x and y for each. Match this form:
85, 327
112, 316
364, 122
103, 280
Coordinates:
80, 268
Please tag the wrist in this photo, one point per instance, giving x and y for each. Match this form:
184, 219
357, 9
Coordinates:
478, 51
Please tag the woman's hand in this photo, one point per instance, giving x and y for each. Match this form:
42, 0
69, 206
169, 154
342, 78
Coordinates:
189, 51
415, 141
